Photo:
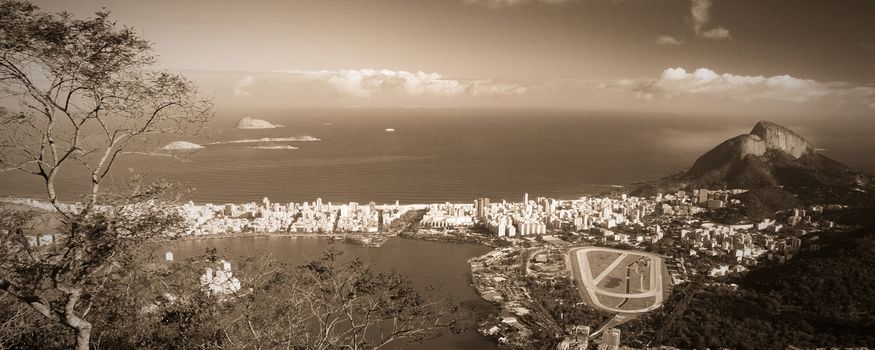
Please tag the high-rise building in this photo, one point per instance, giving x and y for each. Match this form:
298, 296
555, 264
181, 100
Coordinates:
612, 339
482, 207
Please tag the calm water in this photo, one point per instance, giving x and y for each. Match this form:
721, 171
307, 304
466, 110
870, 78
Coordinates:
440, 155
438, 264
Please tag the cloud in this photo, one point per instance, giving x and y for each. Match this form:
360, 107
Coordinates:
666, 40
718, 33
503, 3
677, 82
242, 85
507, 3
492, 88
701, 15
369, 82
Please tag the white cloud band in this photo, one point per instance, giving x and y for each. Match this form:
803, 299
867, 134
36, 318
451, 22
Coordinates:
502, 3
369, 82
665, 40
677, 82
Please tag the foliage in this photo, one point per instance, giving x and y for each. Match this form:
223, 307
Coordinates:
324, 304
64, 281
725, 216
84, 95
818, 299
560, 300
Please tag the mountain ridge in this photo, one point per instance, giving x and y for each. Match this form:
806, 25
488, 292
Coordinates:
779, 167
764, 136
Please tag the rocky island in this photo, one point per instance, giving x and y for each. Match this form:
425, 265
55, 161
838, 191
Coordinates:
181, 145
248, 122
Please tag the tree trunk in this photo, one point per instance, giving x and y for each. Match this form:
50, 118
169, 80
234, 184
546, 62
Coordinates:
78, 324
83, 337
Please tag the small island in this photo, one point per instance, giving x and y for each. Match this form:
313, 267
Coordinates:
248, 122
181, 145
275, 147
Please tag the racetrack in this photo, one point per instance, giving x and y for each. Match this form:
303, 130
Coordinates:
629, 302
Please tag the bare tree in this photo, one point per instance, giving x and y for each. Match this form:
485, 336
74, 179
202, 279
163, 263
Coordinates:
329, 303
333, 304
78, 93
82, 96
351, 306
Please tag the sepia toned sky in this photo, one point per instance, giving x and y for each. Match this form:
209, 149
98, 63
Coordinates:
693, 56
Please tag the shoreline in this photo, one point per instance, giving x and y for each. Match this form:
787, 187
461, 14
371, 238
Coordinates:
362, 240
12, 198
243, 235
348, 237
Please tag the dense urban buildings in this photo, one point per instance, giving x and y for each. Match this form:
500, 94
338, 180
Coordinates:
621, 220
306, 217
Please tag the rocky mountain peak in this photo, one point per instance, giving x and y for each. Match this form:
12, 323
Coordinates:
777, 137
779, 167
765, 136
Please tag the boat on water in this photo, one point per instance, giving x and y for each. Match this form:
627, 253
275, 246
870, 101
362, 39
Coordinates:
390, 130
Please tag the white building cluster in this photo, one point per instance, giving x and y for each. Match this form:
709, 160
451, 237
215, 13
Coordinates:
723, 239
683, 203
221, 281
306, 217
539, 216
609, 212
744, 242
448, 215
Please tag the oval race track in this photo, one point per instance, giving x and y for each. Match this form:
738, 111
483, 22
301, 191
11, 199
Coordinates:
592, 287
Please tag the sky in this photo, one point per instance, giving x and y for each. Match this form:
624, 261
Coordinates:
768, 57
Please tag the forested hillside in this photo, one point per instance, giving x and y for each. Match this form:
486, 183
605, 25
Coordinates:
818, 299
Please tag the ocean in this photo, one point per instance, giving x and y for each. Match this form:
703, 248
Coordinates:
435, 154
